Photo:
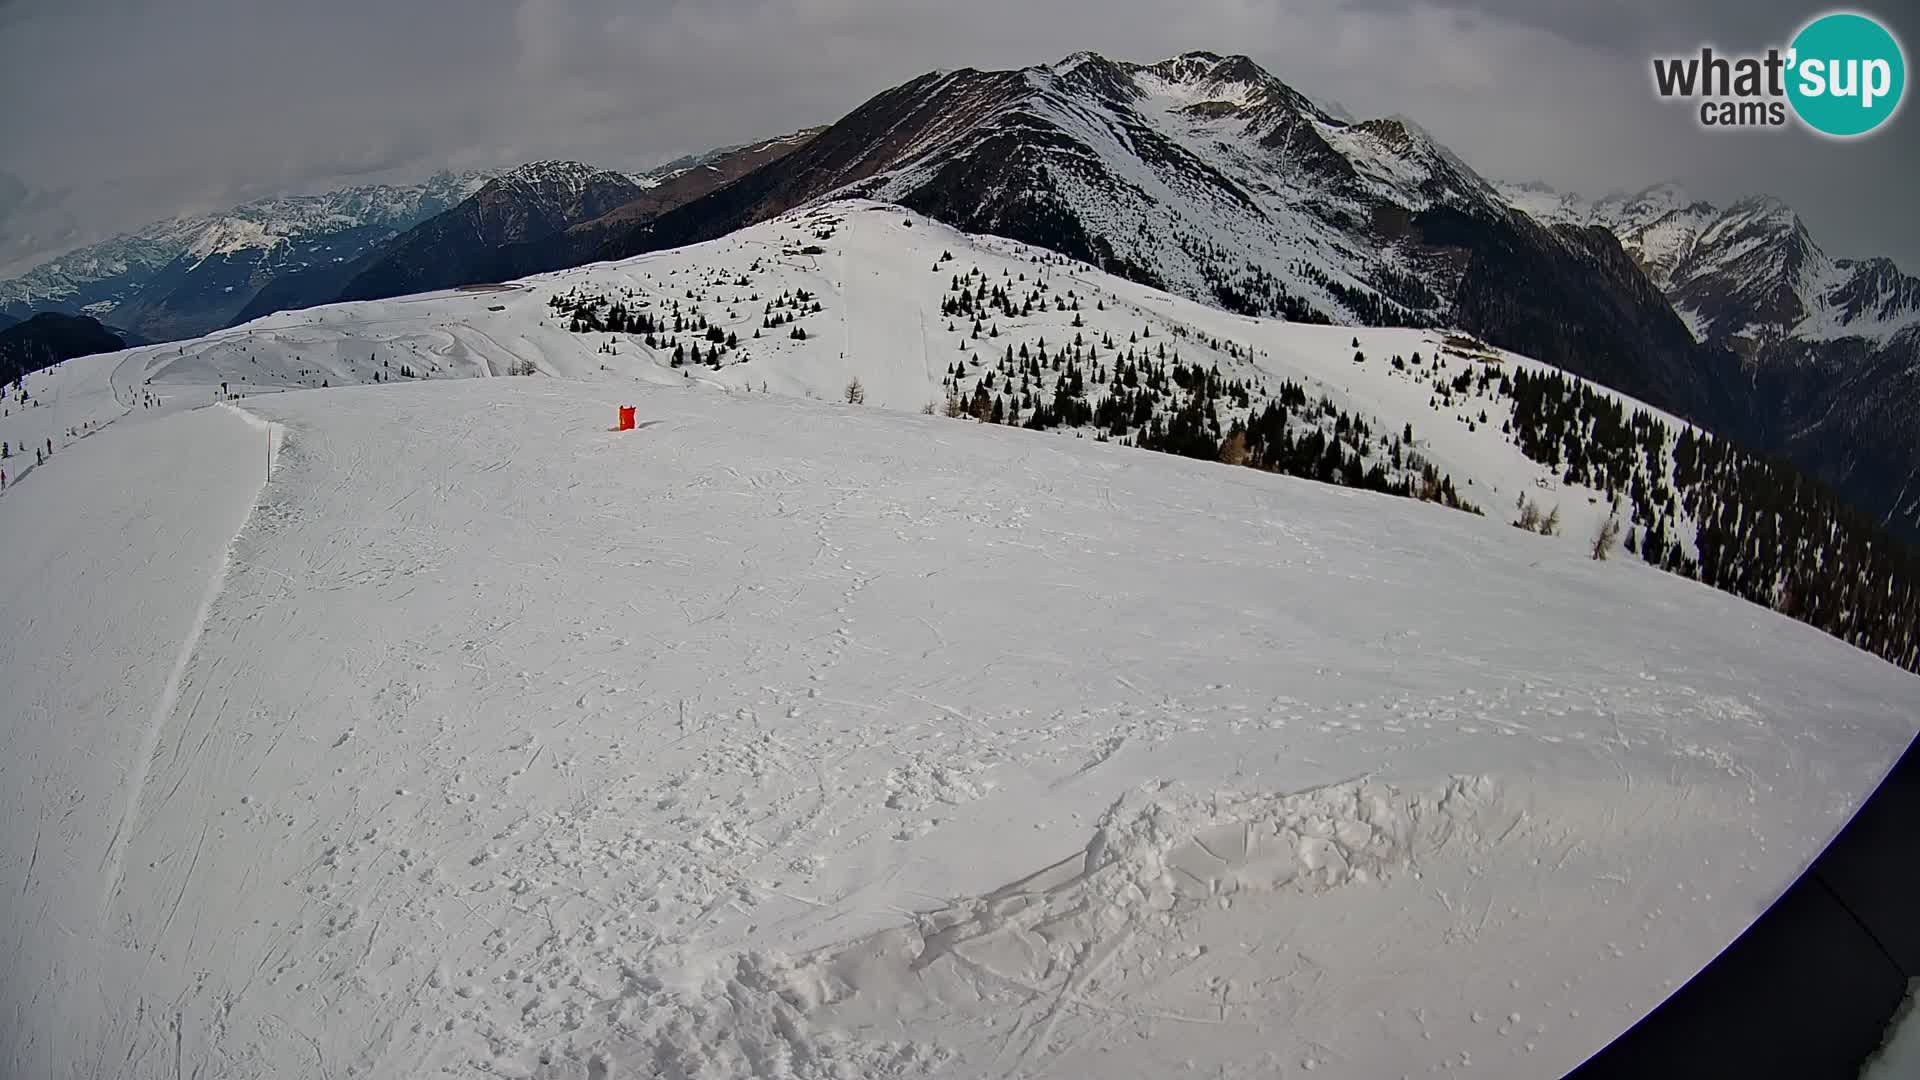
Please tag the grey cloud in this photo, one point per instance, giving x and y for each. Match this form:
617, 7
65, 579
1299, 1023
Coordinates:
1637, 26
198, 103
32, 222
13, 194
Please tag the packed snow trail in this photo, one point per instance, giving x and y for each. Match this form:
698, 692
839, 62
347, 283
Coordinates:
109, 554
786, 739
135, 783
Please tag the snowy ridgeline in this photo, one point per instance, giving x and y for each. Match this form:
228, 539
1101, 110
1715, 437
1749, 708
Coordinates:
862, 300
785, 738
922, 317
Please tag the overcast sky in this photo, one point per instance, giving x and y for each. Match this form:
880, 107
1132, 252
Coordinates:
121, 111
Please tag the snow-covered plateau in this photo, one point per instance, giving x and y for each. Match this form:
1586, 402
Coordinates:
424, 726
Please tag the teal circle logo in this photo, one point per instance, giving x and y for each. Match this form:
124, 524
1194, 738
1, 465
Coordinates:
1846, 74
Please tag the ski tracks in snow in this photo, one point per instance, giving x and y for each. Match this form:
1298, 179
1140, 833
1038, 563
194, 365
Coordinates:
134, 787
107, 570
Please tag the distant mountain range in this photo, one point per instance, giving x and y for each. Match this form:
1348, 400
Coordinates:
538, 217
1829, 349
533, 200
185, 276
188, 276
1749, 275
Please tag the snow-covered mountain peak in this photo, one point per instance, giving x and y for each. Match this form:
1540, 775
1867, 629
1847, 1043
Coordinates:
548, 168
1545, 203
563, 178
1743, 274
1872, 297
1083, 75
1765, 228
1205, 84
1652, 201
1210, 84
1210, 73
542, 196
1197, 59
1202, 172
1767, 211
1409, 166
278, 234
1400, 134
1066, 65
230, 235
1626, 213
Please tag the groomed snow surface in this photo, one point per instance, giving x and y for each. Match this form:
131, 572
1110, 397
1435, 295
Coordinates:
781, 738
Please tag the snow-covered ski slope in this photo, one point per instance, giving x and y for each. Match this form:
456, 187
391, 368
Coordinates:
789, 738
880, 276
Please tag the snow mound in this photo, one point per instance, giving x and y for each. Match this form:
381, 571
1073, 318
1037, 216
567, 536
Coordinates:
1090, 935
749, 1024
1162, 856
